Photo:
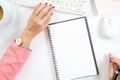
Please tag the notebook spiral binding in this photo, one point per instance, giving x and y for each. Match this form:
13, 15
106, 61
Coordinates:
53, 55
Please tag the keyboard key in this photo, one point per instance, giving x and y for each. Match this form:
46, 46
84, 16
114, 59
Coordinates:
69, 6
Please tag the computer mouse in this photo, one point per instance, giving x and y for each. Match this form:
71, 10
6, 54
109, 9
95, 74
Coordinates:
109, 27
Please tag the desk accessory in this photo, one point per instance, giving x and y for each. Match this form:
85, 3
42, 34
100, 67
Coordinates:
72, 49
109, 27
70, 6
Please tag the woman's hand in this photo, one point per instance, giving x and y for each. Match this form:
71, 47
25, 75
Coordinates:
37, 22
113, 61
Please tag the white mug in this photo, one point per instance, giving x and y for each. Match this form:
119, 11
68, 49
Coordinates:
5, 12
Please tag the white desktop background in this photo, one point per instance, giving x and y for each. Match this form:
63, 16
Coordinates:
39, 66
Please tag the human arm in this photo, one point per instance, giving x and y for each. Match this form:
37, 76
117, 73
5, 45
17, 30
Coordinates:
112, 64
37, 22
12, 61
15, 56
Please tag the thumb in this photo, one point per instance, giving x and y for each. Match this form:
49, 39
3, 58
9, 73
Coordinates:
114, 59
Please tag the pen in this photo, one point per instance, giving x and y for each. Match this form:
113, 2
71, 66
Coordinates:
116, 73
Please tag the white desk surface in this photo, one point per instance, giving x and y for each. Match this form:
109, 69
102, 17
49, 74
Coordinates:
39, 65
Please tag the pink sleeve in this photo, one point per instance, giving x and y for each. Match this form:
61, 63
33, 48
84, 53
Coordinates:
12, 61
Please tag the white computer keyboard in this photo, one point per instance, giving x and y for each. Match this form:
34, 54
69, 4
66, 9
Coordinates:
69, 6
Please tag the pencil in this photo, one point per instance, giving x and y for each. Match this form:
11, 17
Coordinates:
116, 73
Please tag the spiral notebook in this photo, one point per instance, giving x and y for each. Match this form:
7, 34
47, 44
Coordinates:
72, 49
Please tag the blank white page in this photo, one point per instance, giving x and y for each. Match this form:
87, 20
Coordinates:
72, 49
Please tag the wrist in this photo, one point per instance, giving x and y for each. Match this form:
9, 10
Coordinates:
19, 42
26, 38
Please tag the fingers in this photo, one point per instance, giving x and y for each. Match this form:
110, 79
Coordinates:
113, 62
111, 70
47, 17
37, 6
44, 11
42, 15
38, 9
114, 59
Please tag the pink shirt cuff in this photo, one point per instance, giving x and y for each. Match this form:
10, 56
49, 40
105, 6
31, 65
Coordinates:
12, 61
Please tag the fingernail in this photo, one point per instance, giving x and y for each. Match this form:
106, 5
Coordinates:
51, 13
53, 7
50, 5
46, 3
110, 60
